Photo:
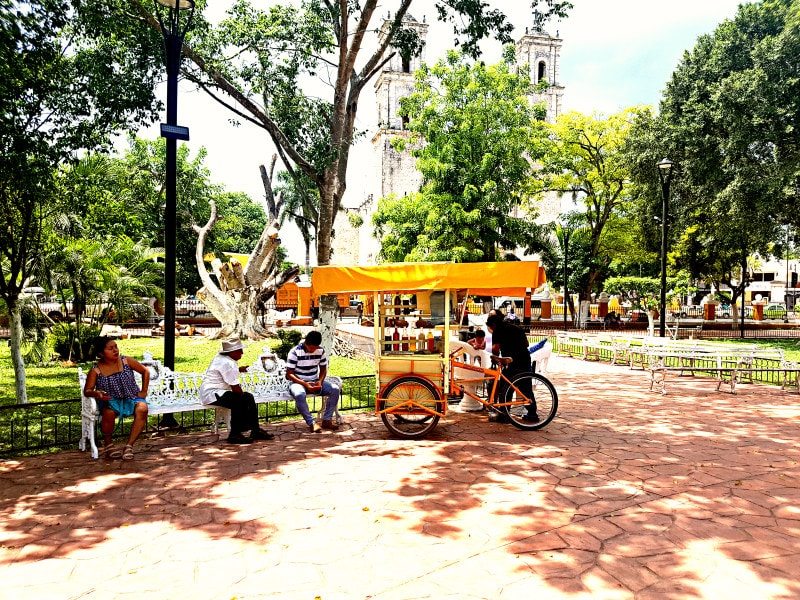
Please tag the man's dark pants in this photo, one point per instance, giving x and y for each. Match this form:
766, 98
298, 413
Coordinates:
244, 412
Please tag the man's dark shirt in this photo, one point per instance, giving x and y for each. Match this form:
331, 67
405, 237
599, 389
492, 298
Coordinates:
513, 343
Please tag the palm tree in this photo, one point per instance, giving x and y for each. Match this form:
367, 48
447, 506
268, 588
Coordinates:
300, 200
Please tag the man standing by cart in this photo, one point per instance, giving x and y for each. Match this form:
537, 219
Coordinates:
307, 369
511, 344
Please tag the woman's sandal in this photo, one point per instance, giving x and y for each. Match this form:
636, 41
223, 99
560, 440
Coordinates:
111, 452
127, 454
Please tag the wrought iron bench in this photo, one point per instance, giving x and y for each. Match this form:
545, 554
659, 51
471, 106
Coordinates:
727, 365
175, 392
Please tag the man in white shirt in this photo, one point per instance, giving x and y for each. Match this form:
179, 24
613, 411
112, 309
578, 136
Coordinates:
307, 369
221, 388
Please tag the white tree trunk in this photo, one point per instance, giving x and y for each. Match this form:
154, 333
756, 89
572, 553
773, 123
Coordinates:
328, 315
239, 305
16, 354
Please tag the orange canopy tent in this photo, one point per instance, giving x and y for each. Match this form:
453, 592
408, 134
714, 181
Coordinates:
491, 279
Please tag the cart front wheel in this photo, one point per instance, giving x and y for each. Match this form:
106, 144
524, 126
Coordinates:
532, 401
407, 406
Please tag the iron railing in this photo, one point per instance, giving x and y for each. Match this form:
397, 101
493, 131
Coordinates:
46, 426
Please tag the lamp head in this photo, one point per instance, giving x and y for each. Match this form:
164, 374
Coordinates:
665, 169
177, 4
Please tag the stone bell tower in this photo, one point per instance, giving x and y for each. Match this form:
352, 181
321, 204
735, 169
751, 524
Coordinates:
542, 53
397, 171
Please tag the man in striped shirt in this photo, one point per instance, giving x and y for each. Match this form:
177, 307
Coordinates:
307, 369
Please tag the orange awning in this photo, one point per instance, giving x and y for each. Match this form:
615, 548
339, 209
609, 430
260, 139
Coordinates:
491, 279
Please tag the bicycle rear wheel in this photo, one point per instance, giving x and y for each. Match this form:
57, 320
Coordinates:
410, 401
525, 391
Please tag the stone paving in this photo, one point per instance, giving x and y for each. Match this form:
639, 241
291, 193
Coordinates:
627, 494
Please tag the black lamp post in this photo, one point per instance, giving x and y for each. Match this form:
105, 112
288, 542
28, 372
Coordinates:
665, 175
173, 27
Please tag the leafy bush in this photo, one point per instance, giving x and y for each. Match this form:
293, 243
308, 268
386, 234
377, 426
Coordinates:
71, 343
289, 338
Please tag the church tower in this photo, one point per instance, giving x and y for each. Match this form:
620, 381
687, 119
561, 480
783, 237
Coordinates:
386, 171
397, 171
542, 53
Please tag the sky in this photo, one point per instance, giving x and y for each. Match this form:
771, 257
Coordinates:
615, 54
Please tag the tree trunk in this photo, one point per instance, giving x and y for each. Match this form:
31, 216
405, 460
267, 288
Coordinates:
240, 299
328, 315
15, 326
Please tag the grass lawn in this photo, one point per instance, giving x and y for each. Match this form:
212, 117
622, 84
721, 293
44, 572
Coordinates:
56, 382
791, 348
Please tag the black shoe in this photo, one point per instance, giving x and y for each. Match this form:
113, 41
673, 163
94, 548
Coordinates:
238, 438
260, 434
534, 418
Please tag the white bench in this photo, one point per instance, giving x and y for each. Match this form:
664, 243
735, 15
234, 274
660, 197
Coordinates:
174, 392
727, 364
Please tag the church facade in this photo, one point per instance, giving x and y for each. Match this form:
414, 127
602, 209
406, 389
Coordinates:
391, 172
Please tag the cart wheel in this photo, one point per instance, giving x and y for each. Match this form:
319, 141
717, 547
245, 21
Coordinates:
543, 393
407, 421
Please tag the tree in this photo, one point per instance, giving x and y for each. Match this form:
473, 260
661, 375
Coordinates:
113, 196
475, 134
300, 204
728, 119
240, 298
258, 63
569, 241
61, 91
586, 159
99, 274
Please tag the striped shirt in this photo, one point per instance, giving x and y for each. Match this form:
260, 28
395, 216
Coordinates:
306, 364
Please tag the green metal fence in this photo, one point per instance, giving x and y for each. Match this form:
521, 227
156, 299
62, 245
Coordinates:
46, 426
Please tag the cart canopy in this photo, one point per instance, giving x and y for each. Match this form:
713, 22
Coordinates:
490, 279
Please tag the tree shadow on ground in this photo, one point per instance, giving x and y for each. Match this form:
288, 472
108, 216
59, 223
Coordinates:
631, 488
626, 488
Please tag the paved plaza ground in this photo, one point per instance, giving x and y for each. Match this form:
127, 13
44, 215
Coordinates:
627, 494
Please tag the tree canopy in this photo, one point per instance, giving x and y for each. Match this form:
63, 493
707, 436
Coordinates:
728, 120
259, 64
586, 159
67, 82
475, 134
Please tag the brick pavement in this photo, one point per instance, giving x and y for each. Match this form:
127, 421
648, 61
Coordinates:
627, 494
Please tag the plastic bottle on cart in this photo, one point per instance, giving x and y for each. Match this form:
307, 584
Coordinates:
431, 343
404, 341
396, 339
421, 340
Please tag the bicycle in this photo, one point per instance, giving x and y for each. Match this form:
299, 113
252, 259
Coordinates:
410, 406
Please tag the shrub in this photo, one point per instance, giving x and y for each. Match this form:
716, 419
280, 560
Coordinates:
71, 343
289, 339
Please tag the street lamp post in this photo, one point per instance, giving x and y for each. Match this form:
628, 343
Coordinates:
173, 27
665, 175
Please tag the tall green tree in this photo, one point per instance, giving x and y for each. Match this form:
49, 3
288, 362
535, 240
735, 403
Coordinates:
475, 134
729, 119
66, 84
261, 60
586, 159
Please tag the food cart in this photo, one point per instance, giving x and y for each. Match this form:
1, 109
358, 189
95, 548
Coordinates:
414, 324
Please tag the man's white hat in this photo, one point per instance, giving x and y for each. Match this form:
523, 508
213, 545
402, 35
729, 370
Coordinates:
231, 345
